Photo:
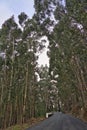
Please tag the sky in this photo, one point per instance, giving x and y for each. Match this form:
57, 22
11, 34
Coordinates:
15, 7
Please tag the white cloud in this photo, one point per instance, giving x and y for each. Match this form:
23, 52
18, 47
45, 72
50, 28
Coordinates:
5, 13
43, 58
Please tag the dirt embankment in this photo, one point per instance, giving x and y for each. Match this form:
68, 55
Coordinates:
79, 112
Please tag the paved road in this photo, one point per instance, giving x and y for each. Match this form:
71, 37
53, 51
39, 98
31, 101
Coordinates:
60, 121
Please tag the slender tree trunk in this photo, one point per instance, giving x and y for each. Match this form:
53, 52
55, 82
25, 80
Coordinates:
25, 94
77, 71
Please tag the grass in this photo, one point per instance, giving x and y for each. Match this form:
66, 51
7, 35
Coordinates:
24, 126
18, 127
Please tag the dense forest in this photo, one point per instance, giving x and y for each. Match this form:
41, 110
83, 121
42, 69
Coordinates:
27, 90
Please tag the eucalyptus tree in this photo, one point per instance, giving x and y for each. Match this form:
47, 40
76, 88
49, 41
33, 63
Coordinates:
31, 39
47, 92
65, 26
75, 47
8, 34
18, 58
21, 94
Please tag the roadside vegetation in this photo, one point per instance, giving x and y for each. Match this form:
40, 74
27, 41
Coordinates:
31, 122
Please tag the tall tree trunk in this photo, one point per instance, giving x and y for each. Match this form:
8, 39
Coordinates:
25, 93
78, 74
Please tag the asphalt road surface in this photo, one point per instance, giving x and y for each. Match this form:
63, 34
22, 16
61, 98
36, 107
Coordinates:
60, 121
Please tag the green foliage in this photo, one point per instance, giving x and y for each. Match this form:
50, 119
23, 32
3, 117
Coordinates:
67, 46
17, 70
22, 18
63, 84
